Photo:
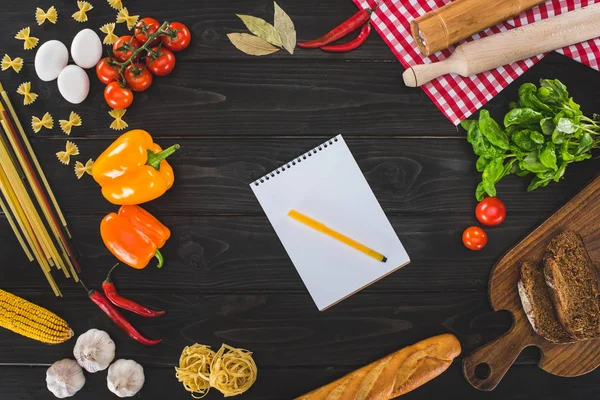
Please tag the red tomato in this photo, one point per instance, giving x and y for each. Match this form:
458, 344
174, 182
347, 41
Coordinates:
107, 73
182, 39
124, 47
474, 238
138, 77
163, 64
151, 25
490, 211
117, 96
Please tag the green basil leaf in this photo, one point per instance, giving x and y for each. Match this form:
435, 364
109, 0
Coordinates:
566, 125
558, 137
538, 182
466, 124
481, 163
547, 126
528, 98
582, 157
523, 140
536, 137
585, 145
492, 174
522, 116
548, 156
558, 91
491, 130
480, 192
532, 163
561, 171
565, 154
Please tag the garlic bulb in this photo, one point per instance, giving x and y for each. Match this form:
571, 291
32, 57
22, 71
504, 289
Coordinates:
64, 378
94, 350
125, 378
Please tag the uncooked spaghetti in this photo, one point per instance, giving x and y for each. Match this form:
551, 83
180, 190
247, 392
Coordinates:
231, 371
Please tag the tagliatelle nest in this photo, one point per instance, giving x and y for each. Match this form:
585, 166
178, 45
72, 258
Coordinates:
81, 169
74, 120
71, 149
109, 29
29, 42
25, 90
16, 64
130, 20
41, 16
45, 122
81, 15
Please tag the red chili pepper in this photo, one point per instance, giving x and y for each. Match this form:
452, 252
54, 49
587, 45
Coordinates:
111, 292
346, 27
353, 44
118, 318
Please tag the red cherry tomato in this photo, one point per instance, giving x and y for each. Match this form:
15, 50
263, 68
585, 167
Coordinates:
151, 25
138, 77
163, 64
490, 211
107, 73
117, 97
474, 238
124, 47
182, 37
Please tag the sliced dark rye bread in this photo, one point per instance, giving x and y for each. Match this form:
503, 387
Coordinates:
573, 283
537, 304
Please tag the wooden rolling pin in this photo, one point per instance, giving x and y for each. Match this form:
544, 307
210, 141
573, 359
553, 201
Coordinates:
507, 47
460, 19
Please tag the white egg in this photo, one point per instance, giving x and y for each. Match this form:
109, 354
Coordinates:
86, 49
73, 84
50, 59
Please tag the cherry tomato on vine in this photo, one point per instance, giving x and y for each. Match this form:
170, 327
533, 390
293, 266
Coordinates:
117, 96
474, 238
138, 77
182, 39
490, 211
107, 73
124, 47
151, 25
163, 64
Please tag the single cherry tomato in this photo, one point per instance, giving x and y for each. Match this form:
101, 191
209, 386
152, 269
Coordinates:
107, 73
474, 238
117, 96
124, 47
151, 25
138, 77
163, 64
490, 211
182, 37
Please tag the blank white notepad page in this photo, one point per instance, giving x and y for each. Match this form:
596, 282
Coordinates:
327, 185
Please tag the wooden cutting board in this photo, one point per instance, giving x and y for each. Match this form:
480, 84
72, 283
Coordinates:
582, 215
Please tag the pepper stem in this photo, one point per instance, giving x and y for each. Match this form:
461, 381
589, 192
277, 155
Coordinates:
154, 160
160, 259
108, 280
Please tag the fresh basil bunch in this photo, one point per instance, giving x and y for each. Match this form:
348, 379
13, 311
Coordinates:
543, 133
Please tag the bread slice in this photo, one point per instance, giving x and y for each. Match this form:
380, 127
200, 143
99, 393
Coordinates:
538, 305
573, 283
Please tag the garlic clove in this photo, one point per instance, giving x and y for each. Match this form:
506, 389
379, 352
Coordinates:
94, 350
64, 378
125, 378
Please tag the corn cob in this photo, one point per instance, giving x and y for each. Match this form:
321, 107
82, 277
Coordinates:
32, 321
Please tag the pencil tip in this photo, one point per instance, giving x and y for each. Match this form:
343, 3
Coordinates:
384, 259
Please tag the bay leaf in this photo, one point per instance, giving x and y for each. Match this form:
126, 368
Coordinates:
285, 26
252, 45
262, 29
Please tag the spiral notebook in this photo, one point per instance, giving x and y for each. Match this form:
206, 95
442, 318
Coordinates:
327, 184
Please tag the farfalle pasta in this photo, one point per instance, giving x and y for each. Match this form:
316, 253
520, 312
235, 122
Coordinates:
29, 42
42, 16
45, 122
25, 90
81, 169
109, 29
16, 64
116, 4
81, 14
118, 124
130, 20
74, 120
71, 149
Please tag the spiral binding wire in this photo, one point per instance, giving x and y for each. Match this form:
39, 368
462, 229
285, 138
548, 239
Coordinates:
295, 161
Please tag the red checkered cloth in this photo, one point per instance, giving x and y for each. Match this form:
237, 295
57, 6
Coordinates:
455, 96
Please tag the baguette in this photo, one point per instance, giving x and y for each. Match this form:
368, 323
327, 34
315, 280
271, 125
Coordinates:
394, 374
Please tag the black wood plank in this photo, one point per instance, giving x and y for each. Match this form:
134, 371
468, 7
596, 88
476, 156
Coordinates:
408, 176
532, 384
243, 255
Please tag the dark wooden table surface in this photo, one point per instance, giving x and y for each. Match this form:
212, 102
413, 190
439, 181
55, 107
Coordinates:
227, 278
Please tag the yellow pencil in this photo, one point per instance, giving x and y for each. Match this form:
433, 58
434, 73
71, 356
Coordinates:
336, 235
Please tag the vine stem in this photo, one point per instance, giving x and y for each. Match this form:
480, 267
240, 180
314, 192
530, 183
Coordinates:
159, 32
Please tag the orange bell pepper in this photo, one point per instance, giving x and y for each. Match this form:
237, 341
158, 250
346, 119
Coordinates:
133, 169
134, 236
